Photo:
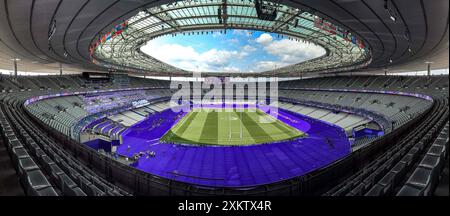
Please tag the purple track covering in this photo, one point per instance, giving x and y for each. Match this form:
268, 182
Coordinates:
235, 166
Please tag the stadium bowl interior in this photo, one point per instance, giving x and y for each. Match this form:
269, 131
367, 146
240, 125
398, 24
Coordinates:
107, 118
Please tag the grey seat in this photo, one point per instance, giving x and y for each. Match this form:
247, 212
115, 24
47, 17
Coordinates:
48, 191
430, 162
19, 153
376, 190
378, 174
342, 191
434, 164
101, 185
421, 178
96, 191
407, 190
387, 182
82, 180
86, 187
55, 172
73, 173
358, 190
26, 165
114, 193
407, 160
16, 144
66, 184
414, 152
398, 171
437, 150
39, 152
64, 166
36, 181
75, 191
47, 162
11, 137
442, 140
92, 190
34, 148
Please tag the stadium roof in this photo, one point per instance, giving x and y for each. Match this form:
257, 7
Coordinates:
394, 33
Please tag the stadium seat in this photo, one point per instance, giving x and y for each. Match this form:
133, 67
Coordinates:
387, 182
407, 159
36, 181
48, 191
437, 151
407, 190
26, 165
434, 164
19, 153
376, 190
421, 178
55, 171
92, 190
15, 144
75, 191
66, 184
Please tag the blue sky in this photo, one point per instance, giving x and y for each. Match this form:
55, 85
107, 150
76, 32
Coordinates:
235, 51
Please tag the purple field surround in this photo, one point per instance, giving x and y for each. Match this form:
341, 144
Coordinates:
234, 166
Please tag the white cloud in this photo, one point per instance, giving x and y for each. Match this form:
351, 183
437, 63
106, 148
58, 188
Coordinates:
231, 69
286, 51
240, 32
234, 41
269, 53
248, 49
186, 57
292, 51
170, 52
217, 34
217, 58
245, 51
264, 39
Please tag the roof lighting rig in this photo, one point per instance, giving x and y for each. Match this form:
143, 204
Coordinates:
345, 50
222, 13
391, 11
266, 10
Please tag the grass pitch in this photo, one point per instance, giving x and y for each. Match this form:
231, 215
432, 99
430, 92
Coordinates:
228, 127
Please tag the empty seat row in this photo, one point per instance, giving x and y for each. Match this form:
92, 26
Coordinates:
30, 174
63, 171
380, 176
426, 175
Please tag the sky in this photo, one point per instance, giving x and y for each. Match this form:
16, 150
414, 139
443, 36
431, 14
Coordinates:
235, 51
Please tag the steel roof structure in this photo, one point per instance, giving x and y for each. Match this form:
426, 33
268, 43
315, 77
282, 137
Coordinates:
201, 17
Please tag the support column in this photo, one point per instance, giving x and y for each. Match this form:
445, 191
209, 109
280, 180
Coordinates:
429, 69
385, 71
15, 67
60, 69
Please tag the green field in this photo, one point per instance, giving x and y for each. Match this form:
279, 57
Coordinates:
231, 127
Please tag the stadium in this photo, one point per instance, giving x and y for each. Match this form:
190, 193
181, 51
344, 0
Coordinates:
224, 97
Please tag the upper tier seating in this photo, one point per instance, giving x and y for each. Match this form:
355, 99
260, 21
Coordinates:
399, 109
